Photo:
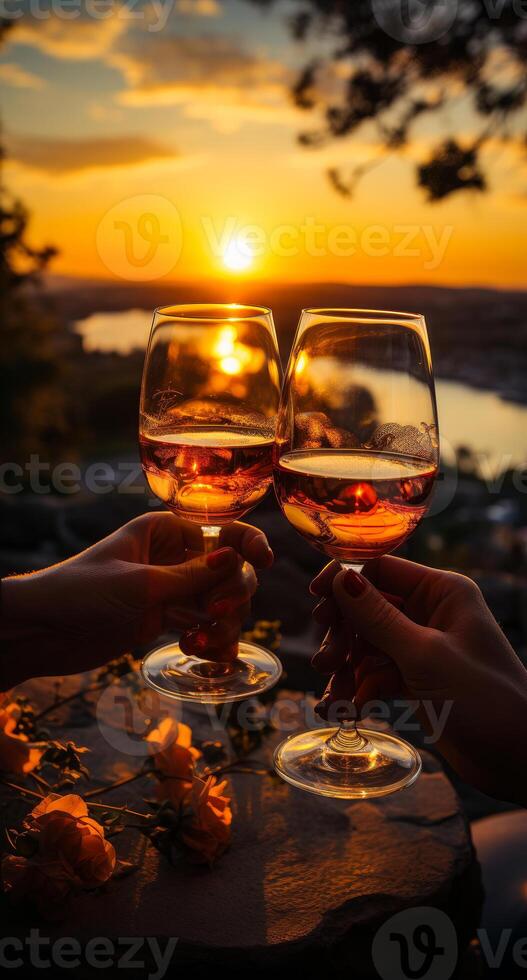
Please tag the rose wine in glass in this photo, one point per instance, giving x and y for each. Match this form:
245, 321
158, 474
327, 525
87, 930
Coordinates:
356, 459
209, 401
209, 472
354, 505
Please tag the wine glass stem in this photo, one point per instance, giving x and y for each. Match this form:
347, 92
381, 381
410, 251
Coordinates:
211, 537
347, 739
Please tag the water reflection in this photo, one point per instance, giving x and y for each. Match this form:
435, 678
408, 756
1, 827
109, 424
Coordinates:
468, 416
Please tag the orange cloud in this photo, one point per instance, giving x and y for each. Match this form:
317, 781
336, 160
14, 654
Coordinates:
68, 39
198, 8
152, 63
213, 76
59, 156
19, 78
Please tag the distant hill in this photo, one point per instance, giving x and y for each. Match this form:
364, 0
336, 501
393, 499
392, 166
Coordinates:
478, 336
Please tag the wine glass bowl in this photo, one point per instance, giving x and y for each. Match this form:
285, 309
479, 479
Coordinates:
209, 401
355, 463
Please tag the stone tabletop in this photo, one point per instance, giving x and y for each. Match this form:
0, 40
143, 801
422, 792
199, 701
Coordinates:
306, 880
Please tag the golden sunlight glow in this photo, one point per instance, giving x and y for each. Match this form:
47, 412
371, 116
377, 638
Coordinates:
225, 343
235, 357
237, 256
301, 364
231, 365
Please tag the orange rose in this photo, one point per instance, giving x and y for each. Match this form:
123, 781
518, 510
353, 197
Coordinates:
71, 853
17, 753
209, 832
174, 757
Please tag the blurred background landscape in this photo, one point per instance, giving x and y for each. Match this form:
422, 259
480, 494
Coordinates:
288, 154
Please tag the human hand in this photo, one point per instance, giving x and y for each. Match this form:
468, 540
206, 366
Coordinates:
124, 591
444, 646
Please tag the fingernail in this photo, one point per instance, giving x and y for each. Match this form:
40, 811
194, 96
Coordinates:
354, 584
270, 557
222, 558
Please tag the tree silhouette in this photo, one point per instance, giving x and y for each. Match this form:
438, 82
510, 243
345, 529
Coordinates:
32, 403
391, 63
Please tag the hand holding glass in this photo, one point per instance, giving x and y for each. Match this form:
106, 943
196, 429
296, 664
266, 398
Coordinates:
209, 401
355, 465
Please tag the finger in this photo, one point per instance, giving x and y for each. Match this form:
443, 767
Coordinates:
191, 578
336, 703
155, 538
234, 592
250, 542
365, 611
184, 617
333, 651
217, 642
168, 537
378, 685
373, 664
399, 576
322, 583
326, 612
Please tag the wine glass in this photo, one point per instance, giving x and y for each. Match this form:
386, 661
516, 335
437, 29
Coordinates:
209, 402
356, 458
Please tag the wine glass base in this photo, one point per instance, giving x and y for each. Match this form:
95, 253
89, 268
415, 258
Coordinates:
172, 673
384, 765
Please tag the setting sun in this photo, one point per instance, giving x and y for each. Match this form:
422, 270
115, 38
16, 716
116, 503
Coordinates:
237, 256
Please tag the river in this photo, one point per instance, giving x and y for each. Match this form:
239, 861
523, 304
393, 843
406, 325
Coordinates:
481, 420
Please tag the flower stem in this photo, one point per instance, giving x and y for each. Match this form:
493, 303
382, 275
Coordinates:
21, 789
66, 700
115, 785
122, 809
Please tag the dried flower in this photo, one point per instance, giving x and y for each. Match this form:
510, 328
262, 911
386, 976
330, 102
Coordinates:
174, 757
209, 831
17, 753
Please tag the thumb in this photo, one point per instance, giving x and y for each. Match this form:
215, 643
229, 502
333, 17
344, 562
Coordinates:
195, 576
366, 611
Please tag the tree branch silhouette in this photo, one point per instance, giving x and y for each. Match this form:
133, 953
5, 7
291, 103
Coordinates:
390, 63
